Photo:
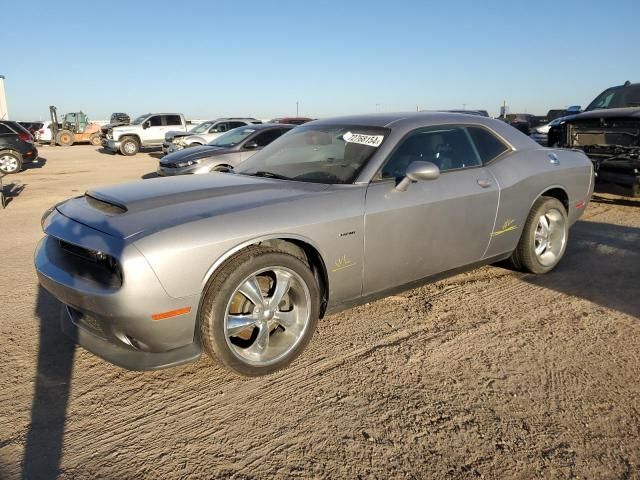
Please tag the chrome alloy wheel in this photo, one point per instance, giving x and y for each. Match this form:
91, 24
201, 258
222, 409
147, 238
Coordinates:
129, 147
550, 237
267, 315
8, 163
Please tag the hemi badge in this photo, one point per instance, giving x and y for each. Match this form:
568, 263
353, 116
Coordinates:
170, 313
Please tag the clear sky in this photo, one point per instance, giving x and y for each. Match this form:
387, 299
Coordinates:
257, 58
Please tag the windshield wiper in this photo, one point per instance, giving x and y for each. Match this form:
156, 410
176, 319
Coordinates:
262, 173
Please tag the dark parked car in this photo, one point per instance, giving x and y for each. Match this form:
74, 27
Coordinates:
120, 119
224, 152
524, 122
608, 131
16, 147
291, 120
32, 127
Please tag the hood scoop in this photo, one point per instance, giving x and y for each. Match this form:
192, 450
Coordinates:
107, 207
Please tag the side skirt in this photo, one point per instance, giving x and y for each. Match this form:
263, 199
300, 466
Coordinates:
414, 284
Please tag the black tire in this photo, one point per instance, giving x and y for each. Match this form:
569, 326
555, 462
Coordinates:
221, 168
219, 292
95, 140
10, 162
524, 257
129, 146
65, 138
194, 144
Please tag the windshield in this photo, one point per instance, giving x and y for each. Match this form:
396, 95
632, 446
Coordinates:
317, 153
232, 137
140, 119
201, 128
617, 97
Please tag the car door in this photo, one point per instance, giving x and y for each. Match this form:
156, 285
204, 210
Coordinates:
171, 123
153, 130
261, 139
435, 225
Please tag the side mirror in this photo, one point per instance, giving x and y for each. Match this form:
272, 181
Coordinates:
251, 145
418, 171
146, 124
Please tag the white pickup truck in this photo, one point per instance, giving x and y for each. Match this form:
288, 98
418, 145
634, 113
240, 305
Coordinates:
147, 130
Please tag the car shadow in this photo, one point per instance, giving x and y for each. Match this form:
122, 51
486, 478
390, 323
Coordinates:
11, 191
601, 264
44, 442
37, 163
623, 201
150, 175
105, 151
157, 155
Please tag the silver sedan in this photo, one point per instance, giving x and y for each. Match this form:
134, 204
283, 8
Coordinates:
335, 213
224, 153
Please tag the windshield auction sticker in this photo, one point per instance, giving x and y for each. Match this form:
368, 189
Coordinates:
361, 138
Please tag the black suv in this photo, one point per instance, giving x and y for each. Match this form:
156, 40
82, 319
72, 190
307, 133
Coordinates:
608, 131
16, 147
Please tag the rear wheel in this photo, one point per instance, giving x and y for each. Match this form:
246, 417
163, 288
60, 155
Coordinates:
259, 311
95, 140
65, 138
10, 162
129, 146
544, 237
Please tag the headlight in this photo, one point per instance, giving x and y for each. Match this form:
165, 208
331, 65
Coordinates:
188, 163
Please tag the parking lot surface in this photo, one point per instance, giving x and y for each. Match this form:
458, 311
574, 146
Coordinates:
491, 373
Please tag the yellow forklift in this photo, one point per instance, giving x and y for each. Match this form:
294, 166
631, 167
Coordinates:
75, 127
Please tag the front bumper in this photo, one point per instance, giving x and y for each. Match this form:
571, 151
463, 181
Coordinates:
124, 357
170, 147
113, 145
114, 320
541, 138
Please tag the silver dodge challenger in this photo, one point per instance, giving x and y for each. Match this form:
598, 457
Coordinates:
335, 213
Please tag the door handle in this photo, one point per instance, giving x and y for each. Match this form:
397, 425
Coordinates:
484, 182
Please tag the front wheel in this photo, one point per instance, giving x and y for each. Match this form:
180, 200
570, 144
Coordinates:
95, 140
259, 311
129, 146
65, 138
544, 237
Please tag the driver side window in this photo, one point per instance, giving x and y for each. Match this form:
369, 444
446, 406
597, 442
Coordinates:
448, 146
155, 121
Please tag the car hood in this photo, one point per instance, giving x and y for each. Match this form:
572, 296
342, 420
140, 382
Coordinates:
139, 208
193, 153
127, 128
605, 113
176, 133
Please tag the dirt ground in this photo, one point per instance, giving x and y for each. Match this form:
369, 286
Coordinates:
492, 373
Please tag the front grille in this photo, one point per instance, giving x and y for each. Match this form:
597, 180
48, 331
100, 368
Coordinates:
83, 320
90, 265
84, 253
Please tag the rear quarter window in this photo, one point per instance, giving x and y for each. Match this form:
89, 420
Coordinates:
488, 145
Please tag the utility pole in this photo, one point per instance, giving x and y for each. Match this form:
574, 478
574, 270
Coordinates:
4, 112
297, 112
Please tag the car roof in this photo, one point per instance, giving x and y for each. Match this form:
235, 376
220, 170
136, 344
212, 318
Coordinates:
410, 119
264, 126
